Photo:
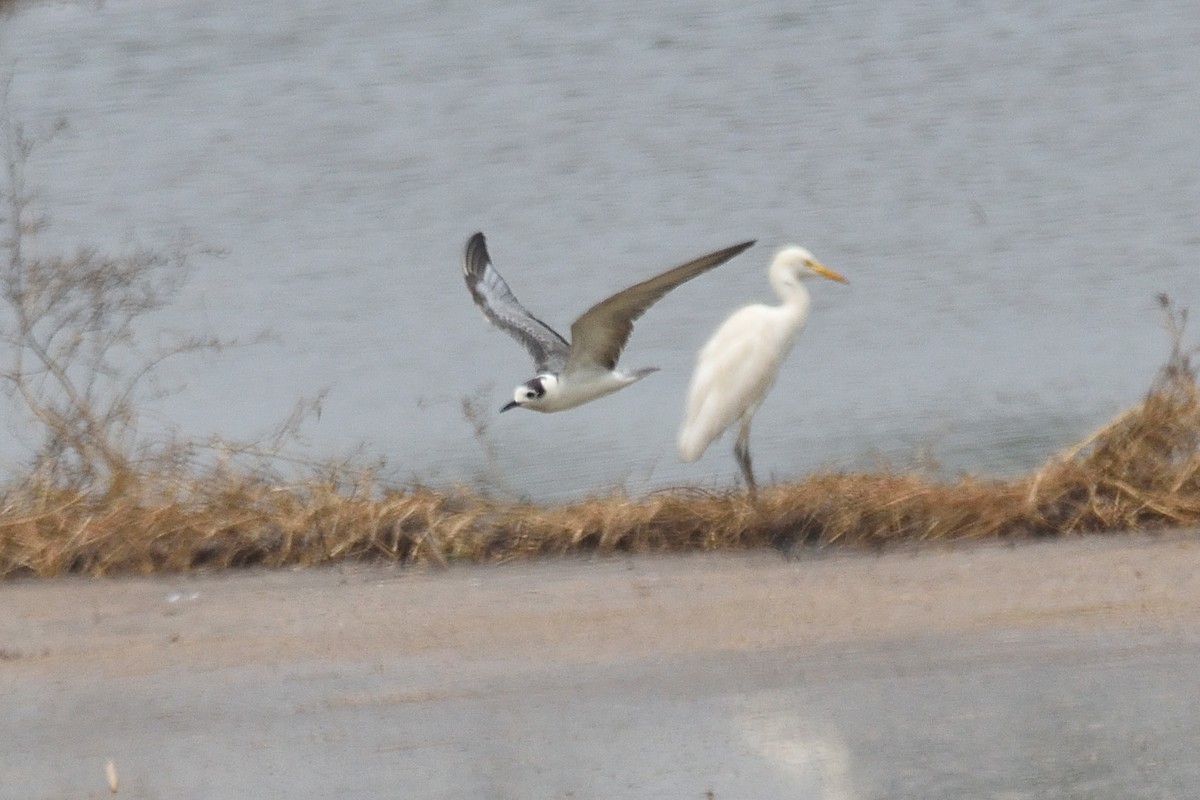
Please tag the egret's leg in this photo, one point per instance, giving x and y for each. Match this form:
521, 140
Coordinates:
741, 449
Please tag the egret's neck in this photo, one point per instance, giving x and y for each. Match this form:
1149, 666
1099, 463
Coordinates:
790, 290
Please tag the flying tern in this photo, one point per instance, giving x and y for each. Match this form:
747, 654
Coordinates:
584, 369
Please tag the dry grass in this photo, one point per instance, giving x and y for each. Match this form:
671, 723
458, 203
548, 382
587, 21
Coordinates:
1141, 470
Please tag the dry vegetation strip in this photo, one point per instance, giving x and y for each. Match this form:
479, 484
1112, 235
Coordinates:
1141, 470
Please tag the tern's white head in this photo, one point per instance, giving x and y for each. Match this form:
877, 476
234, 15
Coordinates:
534, 393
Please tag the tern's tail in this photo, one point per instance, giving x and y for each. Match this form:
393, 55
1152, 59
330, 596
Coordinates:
637, 375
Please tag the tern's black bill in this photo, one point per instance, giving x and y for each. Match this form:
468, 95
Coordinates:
508, 405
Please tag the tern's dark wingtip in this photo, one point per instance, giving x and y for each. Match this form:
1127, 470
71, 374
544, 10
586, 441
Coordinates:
475, 258
738, 248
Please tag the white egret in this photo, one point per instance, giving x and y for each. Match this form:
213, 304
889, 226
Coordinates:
572, 374
736, 368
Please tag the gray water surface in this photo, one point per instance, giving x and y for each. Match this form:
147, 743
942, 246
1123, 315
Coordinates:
1006, 186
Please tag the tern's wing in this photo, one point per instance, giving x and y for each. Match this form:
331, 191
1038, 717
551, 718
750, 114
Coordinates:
496, 301
600, 334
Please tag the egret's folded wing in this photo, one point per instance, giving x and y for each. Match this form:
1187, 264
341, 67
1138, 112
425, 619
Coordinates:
500, 306
734, 371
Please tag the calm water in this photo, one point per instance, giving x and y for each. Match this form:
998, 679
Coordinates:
1007, 186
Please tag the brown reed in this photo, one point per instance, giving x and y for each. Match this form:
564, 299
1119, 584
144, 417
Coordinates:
1141, 470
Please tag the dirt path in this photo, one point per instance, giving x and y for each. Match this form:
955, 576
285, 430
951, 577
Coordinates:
1038, 670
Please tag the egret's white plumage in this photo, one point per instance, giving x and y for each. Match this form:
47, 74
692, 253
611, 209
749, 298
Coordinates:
586, 368
735, 369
